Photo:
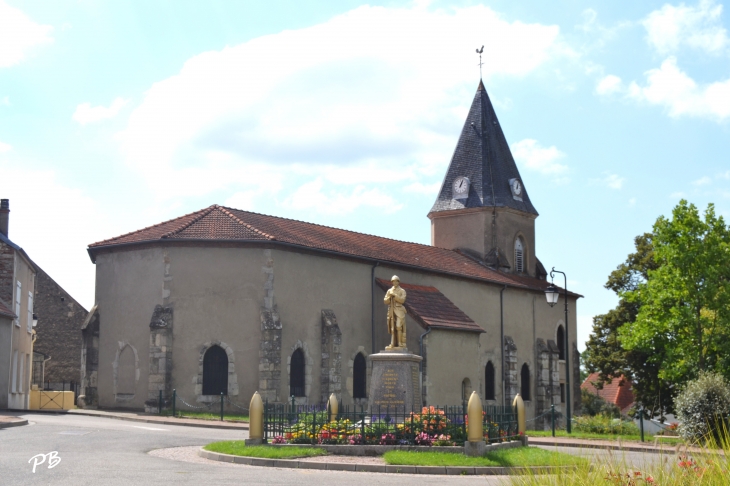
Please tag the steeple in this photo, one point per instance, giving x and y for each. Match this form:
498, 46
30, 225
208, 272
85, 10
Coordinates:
483, 208
482, 156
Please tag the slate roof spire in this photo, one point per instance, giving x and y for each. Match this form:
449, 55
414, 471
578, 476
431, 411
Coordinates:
483, 156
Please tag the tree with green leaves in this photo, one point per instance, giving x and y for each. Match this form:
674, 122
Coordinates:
672, 320
604, 352
683, 322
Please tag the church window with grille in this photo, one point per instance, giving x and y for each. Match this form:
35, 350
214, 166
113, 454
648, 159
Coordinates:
561, 343
525, 382
215, 371
359, 377
519, 256
489, 381
296, 374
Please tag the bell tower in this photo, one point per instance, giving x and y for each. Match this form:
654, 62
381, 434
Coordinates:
483, 208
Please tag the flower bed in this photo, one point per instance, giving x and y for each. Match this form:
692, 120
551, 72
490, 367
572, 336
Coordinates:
427, 427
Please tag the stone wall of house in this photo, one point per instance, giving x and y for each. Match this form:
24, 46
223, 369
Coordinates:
60, 318
7, 266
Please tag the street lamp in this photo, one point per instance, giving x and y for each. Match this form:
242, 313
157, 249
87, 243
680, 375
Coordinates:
552, 294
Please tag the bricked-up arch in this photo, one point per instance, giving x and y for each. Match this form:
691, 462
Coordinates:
359, 377
560, 338
525, 382
125, 372
296, 374
489, 388
215, 371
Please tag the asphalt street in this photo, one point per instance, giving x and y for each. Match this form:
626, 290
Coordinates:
103, 451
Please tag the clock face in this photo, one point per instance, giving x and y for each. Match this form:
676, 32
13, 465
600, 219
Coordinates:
461, 186
517, 187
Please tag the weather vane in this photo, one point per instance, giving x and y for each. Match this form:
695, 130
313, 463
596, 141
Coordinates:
479, 51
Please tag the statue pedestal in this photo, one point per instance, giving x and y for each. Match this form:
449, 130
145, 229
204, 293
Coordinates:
395, 382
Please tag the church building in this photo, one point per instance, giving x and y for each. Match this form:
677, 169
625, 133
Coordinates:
229, 301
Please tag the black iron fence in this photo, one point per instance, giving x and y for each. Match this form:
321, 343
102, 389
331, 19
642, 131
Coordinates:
435, 425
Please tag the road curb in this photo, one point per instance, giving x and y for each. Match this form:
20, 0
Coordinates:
14, 423
387, 469
612, 447
91, 413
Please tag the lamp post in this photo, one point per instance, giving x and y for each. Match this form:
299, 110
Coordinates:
552, 294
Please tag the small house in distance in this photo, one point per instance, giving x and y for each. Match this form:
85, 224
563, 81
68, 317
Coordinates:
619, 392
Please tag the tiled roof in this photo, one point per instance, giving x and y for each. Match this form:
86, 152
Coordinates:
430, 308
482, 155
218, 223
619, 391
5, 310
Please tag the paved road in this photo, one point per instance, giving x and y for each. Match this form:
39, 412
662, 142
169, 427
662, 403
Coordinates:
102, 451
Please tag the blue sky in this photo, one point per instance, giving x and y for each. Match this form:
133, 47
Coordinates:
119, 115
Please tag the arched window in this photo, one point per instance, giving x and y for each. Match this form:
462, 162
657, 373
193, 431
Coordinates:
359, 377
296, 374
465, 389
561, 342
489, 381
519, 256
215, 371
525, 382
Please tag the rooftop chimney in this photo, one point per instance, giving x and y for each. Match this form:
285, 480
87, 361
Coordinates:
4, 216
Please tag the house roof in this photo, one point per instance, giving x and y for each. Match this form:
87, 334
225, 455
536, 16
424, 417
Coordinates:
23, 254
5, 310
222, 224
432, 309
484, 157
619, 391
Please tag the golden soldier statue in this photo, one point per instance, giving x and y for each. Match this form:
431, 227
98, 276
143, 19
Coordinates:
395, 297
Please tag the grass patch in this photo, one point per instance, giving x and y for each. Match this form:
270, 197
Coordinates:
231, 417
520, 456
239, 448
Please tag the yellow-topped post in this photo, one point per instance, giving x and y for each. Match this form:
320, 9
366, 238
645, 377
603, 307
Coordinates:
333, 406
255, 420
474, 429
519, 404
474, 444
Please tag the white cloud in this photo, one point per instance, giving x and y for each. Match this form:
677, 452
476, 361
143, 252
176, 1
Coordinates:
31, 223
85, 113
371, 97
724, 175
316, 195
532, 155
609, 85
19, 35
5, 101
672, 88
613, 181
4, 147
699, 27
632, 202
424, 189
702, 181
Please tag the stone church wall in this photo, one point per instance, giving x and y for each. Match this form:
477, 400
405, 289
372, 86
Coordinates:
226, 294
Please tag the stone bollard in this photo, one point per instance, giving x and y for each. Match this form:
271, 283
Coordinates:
474, 444
255, 421
333, 407
519, 404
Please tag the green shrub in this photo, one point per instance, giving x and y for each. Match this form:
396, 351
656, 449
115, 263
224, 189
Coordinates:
592, 404
605, 424
703, 407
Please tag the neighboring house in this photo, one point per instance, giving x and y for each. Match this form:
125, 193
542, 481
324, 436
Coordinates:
60, 318
619, 392
17, 287
229, 301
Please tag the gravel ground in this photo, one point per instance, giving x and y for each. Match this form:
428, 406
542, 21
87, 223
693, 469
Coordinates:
187, 454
